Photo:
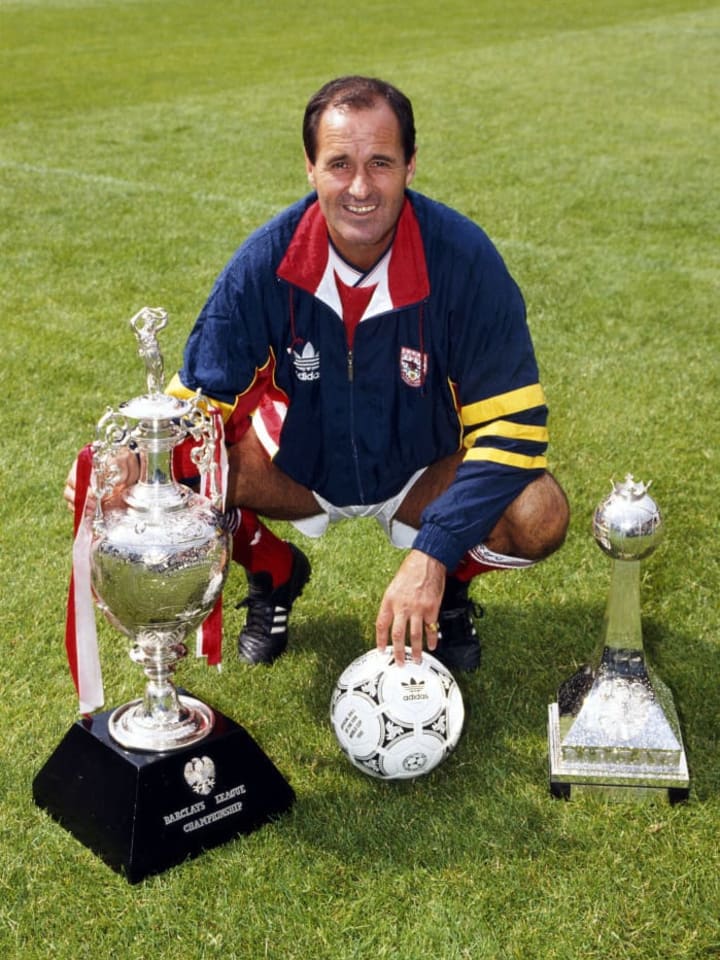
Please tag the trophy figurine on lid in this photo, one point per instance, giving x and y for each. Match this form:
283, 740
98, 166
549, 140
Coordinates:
615, 730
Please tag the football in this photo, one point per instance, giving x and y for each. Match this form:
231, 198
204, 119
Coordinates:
396, 722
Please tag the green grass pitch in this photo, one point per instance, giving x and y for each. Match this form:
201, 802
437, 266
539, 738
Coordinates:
140, 141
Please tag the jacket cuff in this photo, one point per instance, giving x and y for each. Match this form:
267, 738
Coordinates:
438, 543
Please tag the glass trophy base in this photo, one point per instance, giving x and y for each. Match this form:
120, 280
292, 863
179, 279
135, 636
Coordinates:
620, 738
142, 812
132, 729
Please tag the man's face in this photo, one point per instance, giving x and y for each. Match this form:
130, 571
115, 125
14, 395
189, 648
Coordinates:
360, 175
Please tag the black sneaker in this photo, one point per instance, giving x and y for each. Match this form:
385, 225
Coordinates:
458, 643
264, 636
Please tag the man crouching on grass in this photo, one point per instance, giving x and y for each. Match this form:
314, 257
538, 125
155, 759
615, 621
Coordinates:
370, 353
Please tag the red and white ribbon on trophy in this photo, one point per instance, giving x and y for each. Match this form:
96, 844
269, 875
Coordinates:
209, 633
80, 630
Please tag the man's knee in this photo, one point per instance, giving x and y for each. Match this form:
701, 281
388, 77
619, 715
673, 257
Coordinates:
536, 522
556, 517
549, 515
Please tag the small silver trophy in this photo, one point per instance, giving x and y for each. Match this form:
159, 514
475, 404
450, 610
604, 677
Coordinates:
159, 557
615, 730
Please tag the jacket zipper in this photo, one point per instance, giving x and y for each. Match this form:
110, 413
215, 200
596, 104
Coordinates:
350, 357
350, 363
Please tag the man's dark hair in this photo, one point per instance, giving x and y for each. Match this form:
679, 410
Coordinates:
358, 93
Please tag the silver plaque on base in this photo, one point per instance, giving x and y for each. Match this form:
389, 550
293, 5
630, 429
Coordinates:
614, 729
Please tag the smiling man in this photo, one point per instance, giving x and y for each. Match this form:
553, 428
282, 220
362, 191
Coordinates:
371, 356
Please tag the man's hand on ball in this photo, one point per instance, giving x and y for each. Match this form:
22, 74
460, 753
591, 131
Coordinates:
410, 606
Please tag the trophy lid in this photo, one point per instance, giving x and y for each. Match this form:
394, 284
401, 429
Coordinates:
627, 524
158, 406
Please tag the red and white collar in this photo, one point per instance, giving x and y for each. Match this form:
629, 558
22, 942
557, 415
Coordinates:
400, 277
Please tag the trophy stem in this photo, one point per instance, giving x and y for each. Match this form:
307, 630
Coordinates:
163, 719
623, 626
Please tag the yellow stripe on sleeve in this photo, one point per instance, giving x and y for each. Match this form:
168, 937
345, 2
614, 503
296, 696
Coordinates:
506, 458
504, 404
176, 388
509, 429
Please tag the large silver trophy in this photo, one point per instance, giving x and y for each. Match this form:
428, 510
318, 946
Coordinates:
165, 776
615, 730
160, 556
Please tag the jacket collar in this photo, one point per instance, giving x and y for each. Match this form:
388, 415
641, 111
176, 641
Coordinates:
401, 275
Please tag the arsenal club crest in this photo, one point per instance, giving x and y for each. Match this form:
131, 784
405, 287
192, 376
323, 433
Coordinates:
413, 366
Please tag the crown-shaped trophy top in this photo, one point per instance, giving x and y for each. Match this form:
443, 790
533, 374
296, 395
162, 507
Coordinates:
627, 524
153, 405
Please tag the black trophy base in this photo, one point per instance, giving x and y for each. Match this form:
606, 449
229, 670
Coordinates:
143, 812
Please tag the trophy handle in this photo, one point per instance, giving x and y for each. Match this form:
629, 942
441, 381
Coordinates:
112, 435
201, 427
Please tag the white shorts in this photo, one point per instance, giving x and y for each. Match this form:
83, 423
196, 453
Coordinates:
400, 534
